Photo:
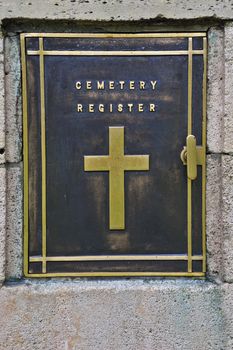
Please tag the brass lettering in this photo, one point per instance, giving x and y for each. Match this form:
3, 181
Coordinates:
131, 85
88, 85
79, 107
153, 83
122, 83
152, 107
120, 107
78, 85
142, 85
111, 85
130, 106
140, 107
100, 85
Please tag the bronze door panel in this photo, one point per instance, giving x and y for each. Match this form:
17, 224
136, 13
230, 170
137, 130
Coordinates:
114, 154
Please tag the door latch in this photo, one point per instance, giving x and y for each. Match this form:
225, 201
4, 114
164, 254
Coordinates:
192, 156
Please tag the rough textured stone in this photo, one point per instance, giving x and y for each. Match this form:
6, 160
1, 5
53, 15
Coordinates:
214, 216
128, 314
215, 97
227, 308
13, 101
2, 222
2, 104
228, 118
227, 216
14, 230
115, 9
120, 314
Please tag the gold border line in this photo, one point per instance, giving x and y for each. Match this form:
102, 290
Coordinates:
116, 35
115, 258
113, 53
43, 154
118, 274
204, 98
25, 153
189, 181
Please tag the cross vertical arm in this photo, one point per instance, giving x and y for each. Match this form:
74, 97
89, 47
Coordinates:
116, 141
116, 200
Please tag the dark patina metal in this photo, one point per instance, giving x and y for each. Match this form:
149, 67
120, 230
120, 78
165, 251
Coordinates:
77, 201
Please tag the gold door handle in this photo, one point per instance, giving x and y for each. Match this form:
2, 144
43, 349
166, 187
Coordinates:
192, 156
191, 145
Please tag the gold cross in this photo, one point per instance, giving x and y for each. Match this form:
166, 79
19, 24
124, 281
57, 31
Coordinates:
116, 163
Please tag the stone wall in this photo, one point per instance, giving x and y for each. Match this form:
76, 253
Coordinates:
142, 314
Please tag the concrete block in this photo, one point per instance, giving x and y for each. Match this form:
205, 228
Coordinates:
13, 100
228, 34
227, 216
14, 222
115, 10
227, 307
214, 216
2, 222
215, 96
126, 314
2, 104
228, 117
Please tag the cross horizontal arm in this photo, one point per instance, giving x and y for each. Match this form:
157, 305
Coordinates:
140, 162
96, 163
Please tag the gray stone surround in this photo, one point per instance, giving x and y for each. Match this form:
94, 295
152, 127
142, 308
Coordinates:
137, 314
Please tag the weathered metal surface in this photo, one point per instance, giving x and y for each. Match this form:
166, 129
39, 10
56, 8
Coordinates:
76, 89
